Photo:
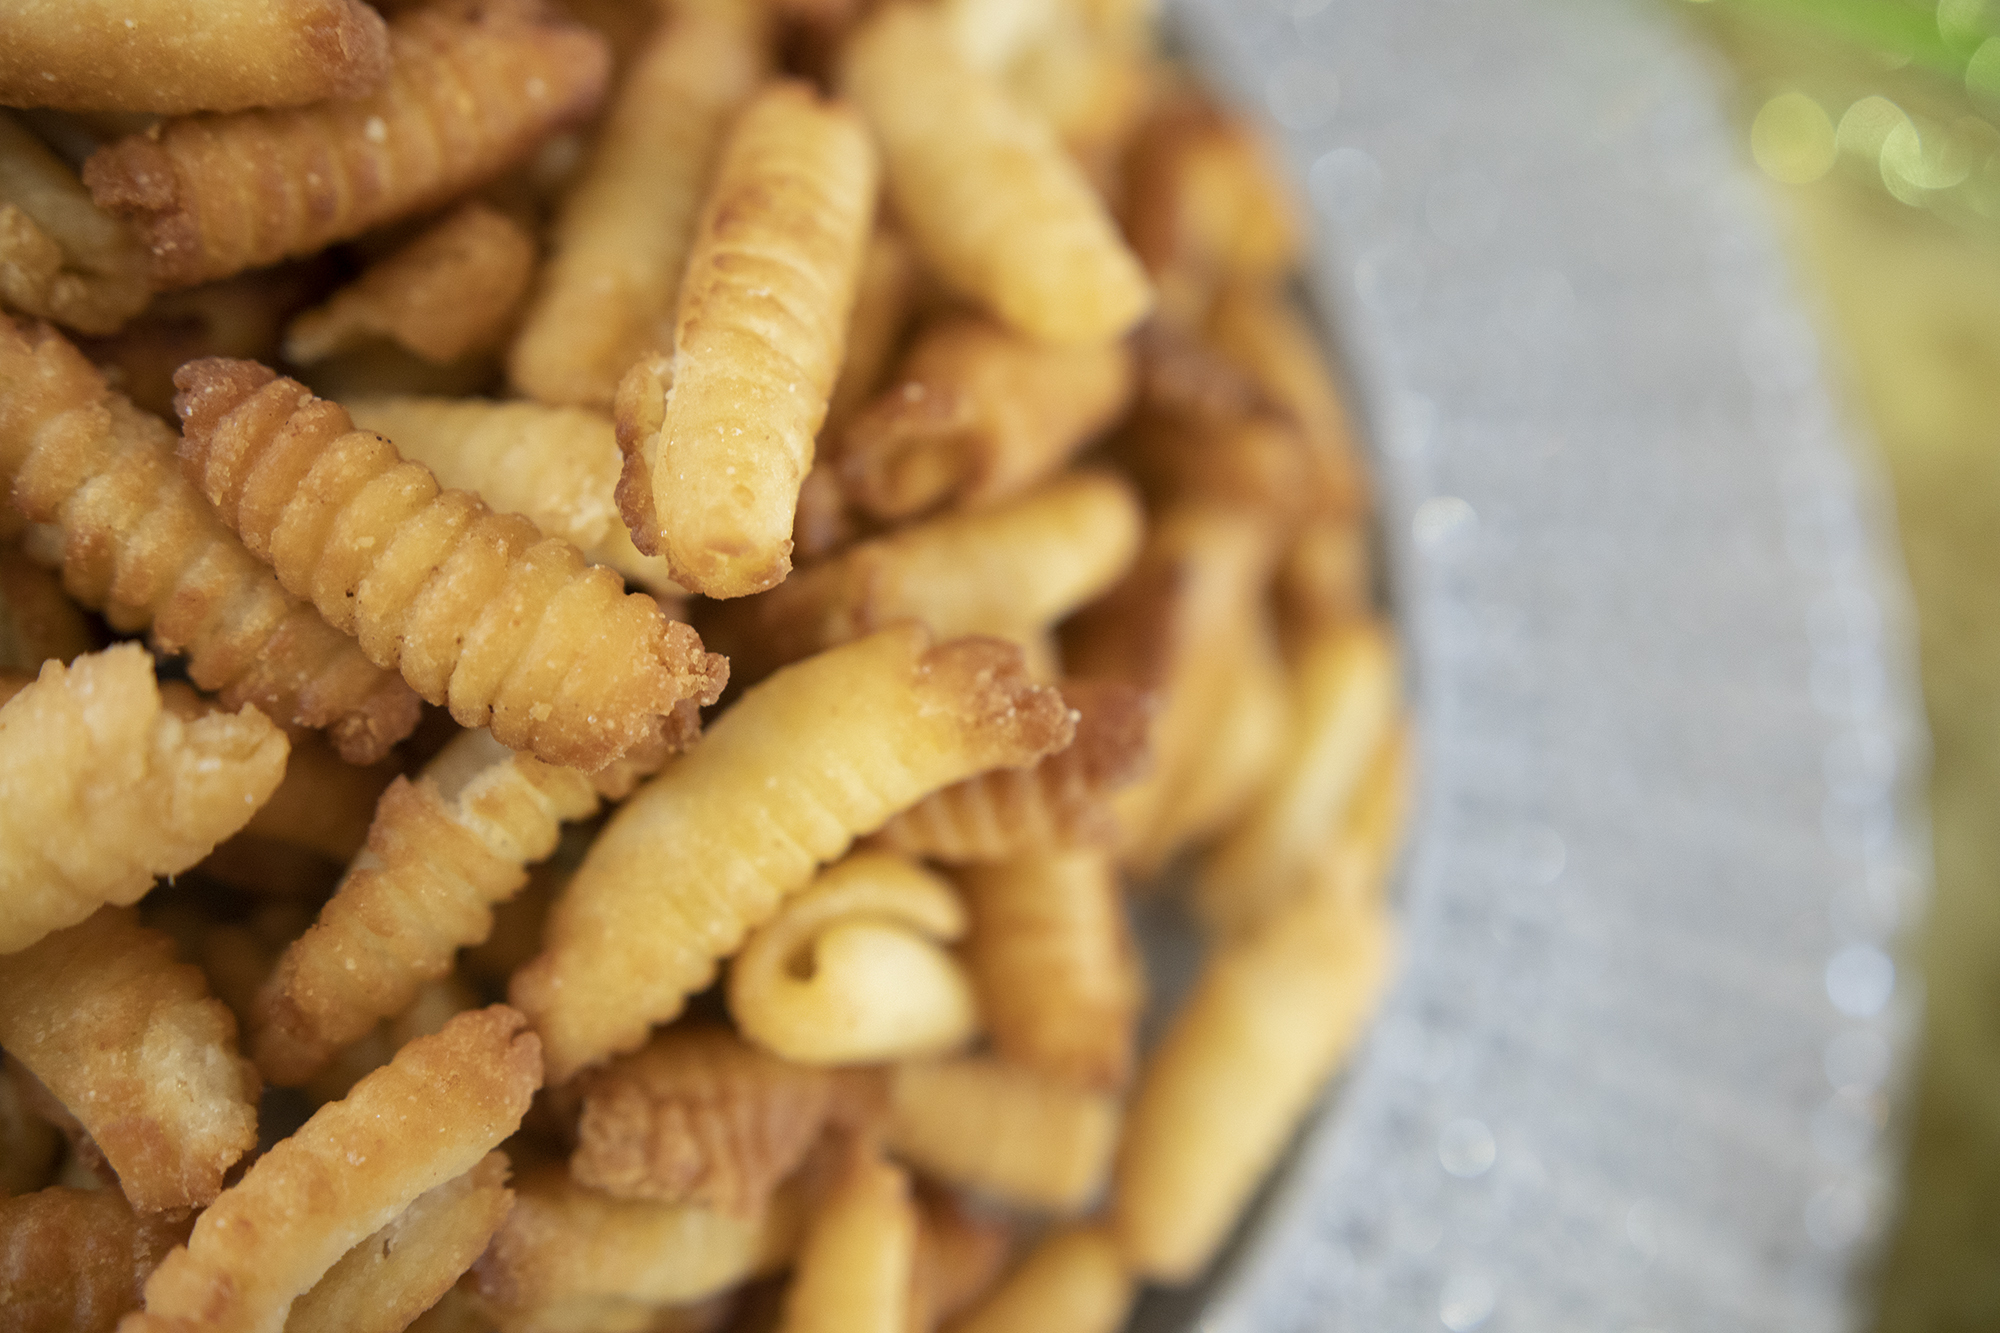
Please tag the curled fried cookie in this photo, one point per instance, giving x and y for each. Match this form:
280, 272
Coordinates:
1053, 958
142, 546
718, 439
472, 90
713, 845
390, 1278
557, 465
1063, 801
1004, 1130
131, 1042
620, 243
571, 1258
987, 192
431, 1114
441, 852
448, 292
155, 55
976, 414
1073, 1280
854, 970
101, 790
60, 257
478, 611
73, 1260
854, 1266
699, 1116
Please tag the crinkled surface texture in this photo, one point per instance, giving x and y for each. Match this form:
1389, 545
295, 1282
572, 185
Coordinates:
73, 1261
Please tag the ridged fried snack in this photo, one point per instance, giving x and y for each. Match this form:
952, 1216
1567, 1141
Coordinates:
570, 1258
140, 545
853, 1270
1003, 1130
472, 90
557, 465
101, 790
476, 609
160, 56
987, 192
73, 1260
1064, 801
1058, 975
448, 292
698, 1116
784, 781
1012, 571
441, 852
718, 439
620, 242
394, 1275
131, 1042
854, 969
60, 258
1072, 1280
431, 1114
37, 622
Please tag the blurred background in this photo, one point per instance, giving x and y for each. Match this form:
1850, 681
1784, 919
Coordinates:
1876, 124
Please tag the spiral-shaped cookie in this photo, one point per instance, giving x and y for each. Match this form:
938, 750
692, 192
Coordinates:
479, 612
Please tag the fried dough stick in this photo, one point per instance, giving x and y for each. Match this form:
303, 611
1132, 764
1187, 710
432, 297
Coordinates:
987, 192
557, 465
621, 240
853, 1273
102, 791
476, 609
718, 440
1073, 1280
131, 1042
431, 1114
72, 1261
784, 782
1003, 1130
160, 56
140, 545
60, 258
442, 851
472, 90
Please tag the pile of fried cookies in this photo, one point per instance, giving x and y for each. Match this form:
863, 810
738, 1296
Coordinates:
606, 608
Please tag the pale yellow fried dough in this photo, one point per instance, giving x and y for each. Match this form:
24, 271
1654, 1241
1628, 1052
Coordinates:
441, 852
478, 611
1012, 572
73, 1260
853, 1272
221, 55
431, 1114
1345, 700
324, 804
959, 1254
472, 90
976, 414
437, 1003
1271, 1015
557, 465
621, 239
138, 543
988, 194
1058, 976
854, 968
60, 257
1072, 1280
1003, 1130
698, 1116
1090, 85
131, 1042
718, 440
37, 622
785, 780
1063, 801
569, 1258
390, 1278
450, 291
102, 791
884, 296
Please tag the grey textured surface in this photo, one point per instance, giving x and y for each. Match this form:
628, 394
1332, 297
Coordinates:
1640, 1068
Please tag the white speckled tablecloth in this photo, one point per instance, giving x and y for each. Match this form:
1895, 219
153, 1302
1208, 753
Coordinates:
1640, 1069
